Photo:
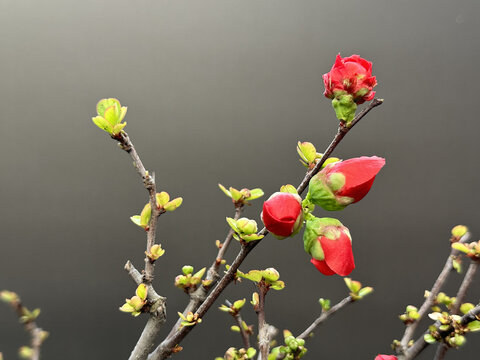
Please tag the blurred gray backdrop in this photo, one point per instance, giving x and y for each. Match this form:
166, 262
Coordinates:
221, 91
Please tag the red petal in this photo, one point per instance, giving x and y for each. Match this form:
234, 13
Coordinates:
338, 254
359, 175
280, 213
322, 267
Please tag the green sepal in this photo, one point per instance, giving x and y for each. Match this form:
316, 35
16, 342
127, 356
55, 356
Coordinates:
345, 108
320, 194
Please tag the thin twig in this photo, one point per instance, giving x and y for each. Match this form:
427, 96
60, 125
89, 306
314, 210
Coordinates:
460, 297
324, 316
442, 277
341, 132
243, 333
149, 183
37, 335
239, 322
200, 294
175, 337
466, 283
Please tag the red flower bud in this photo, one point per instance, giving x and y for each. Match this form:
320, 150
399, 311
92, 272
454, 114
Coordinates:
351, 75
344, 182
330, 245
386, 357
282, 214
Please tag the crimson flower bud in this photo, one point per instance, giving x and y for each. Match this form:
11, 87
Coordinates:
330, 245
350, 76
385, 357
282, 214
344, 182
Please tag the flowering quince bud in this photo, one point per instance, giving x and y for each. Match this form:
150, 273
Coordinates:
344, 182
349, 82
351, 75
282, 214
385, 357
330, 245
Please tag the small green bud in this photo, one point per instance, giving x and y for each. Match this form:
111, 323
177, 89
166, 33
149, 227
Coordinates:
429, 339
162, 198
187, 269
9, 297
466, 307
345, 108
235, 328
459, 230
25, 352
324, 303
142, 291
255, 299
237, 305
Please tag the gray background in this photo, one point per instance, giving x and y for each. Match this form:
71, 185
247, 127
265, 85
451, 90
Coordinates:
221, 91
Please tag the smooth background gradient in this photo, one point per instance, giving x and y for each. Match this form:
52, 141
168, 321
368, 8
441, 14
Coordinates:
221, 91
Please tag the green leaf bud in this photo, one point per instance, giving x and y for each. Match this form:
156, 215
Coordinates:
187, 269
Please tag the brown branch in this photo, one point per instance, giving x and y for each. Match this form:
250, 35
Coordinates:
442, 277
460, 297
176, 336
239, 322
